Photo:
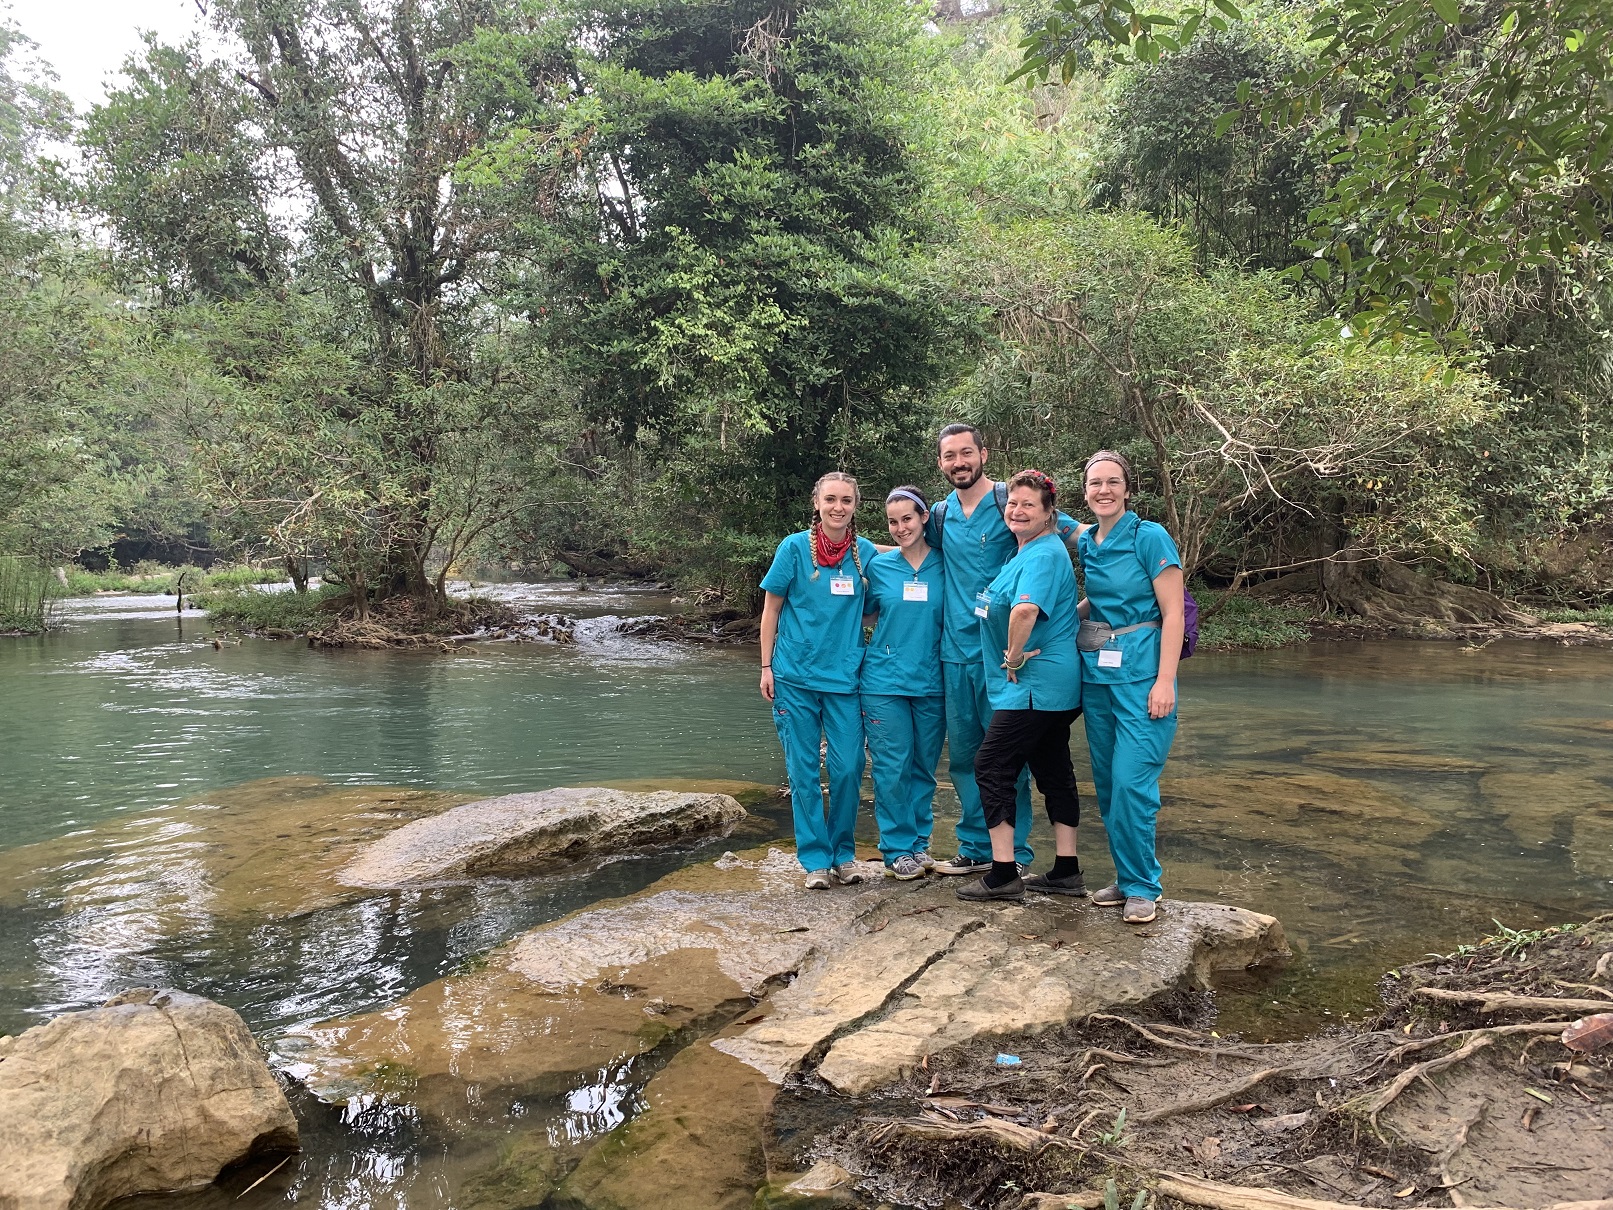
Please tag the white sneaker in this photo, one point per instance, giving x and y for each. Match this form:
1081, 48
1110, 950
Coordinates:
846, 873
905, 868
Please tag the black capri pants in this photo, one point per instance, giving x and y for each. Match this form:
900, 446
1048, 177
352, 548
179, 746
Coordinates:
1040, 739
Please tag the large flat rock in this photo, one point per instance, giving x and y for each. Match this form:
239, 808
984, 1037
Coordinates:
155, 1091
517, 833
1035, 967
845, 986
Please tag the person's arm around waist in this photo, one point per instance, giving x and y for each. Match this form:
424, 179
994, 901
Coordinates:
1168, 590
1021, 620
770, 612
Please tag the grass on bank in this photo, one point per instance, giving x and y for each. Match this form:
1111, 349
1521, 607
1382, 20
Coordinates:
27, 588
1599, 615
246, 608
148, 577
1229, 620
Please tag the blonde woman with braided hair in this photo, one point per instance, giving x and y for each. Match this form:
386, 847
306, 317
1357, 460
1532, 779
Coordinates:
812, 654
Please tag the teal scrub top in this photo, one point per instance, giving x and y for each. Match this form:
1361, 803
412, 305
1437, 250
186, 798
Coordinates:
820, 629
975, 548
1039, 575
904, 656
1120, 573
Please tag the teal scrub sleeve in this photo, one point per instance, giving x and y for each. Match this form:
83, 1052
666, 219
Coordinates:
1036, 585
1155, 549
781, 574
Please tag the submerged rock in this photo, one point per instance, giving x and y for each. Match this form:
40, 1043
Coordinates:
1346, 819
155, 1091
516, 832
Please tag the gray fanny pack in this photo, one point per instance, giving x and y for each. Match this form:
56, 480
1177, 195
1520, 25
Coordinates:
1096, 635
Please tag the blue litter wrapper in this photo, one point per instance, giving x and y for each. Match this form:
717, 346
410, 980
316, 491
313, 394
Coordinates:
1008, 1060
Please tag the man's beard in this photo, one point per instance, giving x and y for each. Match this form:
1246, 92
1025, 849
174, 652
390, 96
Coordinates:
974, 474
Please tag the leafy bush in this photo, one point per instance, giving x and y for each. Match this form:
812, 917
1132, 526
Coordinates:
27, 588
1237, 620
1601, 615
251, 609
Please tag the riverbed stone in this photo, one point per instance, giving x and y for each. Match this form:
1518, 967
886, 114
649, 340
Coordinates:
1033, 967
153, 1092
700, 1143
518, 833
1347, 819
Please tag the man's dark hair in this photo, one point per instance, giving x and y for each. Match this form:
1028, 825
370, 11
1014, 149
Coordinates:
953, 430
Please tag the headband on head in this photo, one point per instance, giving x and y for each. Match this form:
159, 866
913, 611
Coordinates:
1046, 480
903, 493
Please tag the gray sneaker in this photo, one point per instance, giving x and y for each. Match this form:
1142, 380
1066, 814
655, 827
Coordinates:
962, 864
1138, 910
1013, 892
924, 859
1075, 885
1109, 896
905, 868
817, 880
846, 873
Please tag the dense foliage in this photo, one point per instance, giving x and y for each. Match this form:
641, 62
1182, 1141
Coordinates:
380, 290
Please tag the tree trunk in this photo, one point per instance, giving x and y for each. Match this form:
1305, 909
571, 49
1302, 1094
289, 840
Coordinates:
1381, 590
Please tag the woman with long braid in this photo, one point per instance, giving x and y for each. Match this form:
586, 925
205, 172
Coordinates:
812, 652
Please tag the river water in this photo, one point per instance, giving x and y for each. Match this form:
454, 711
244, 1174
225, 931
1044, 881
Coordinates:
166, 800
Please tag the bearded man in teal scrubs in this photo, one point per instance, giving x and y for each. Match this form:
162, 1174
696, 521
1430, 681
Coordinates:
975, 542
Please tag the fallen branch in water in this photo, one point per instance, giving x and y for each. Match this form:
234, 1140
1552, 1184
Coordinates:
1226, 1093
1501, 1002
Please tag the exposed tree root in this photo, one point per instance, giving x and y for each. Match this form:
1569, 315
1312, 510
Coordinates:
1219, 1097
1499, 1031
1217, 1196
1167, 1044
1021, 1138
1501, 1002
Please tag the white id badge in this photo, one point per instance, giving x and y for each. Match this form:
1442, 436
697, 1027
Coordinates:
982, 604
841, 586
915, 590
1108, 657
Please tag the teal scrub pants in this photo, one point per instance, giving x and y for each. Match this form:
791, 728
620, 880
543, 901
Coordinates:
801, 717
1128, 755
968, 715
904, 738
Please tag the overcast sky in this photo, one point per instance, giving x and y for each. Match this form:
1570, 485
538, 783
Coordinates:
87, 40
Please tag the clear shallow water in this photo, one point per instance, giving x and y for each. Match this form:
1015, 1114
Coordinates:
1383, 800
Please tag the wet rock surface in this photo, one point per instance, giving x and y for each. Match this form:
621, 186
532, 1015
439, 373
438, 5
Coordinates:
155, 1091
855, 985
516, 833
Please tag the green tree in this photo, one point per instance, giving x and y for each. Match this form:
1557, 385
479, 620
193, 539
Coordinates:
331, 139
1472, 141
730, 278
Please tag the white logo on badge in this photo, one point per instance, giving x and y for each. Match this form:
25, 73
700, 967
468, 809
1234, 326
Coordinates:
1109, 657
915, 590
982, 604
841, 586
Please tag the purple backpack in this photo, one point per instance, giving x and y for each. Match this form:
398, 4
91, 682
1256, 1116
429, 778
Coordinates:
1190, 623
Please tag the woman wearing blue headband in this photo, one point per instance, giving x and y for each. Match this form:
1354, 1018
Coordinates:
902, 703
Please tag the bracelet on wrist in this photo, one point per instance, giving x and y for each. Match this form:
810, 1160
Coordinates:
766, 667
